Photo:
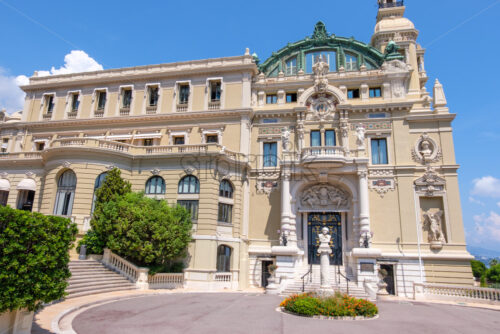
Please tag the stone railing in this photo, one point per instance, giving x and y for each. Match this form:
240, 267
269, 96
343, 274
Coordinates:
21, 155
72, 114
151, 110
214, 105
99, 113
47, 116
324, 154
147, 150
181, 107
223, 277
124, 111
166, 281
455, 292
139, 275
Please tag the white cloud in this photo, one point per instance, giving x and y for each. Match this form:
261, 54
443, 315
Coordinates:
487, 186
74, 62
488, 226
475, 201
12, 97
498, 204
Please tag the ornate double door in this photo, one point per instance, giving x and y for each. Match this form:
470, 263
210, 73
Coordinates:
315, 222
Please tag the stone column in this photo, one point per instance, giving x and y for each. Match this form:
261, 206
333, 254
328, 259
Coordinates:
364, 211
287, 223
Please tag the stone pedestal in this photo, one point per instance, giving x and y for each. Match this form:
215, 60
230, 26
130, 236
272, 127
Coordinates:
272, 288
325, 252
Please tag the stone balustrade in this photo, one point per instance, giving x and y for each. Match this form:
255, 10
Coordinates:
139, 275
456, 293
215, 105
331, 154
21, 155
223, 277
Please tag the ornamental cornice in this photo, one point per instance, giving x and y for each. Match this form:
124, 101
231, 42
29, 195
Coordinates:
225, 64
430, 117
134, 119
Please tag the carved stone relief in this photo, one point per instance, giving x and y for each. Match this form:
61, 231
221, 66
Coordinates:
430, 183
324, 196
433, 224
426, 150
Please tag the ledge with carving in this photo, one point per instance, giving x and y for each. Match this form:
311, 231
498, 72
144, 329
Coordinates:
266, 180
381, 180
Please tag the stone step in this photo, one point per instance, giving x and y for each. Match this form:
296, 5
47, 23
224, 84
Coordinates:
90, 272
90, 283
101, 277
93, 292
72, 290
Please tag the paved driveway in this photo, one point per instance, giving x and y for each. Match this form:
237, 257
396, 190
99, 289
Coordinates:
240, 313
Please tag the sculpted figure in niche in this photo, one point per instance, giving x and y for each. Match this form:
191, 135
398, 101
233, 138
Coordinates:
310, 197
285, 138
360, 134
426, 149
320, 69
433, 223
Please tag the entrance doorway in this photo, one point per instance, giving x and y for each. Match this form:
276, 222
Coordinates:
265, 273
315, 222
389, 278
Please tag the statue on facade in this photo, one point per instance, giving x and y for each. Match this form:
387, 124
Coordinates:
320, 69
325, 237
426, 149
360, 136
324, 195
433, 223
324, 250
285, 139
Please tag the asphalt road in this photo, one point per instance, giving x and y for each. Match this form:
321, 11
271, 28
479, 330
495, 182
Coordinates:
240, 313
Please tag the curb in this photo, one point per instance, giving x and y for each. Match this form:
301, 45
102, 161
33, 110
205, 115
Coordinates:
324, 317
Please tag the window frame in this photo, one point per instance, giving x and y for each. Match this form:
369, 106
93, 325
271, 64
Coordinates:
372, 156
225, 213
353, 90
293, 97
271, 98
65, 193
274, 163
318, 132
224, 257
191, 203
148, 185
375, 90
196, 184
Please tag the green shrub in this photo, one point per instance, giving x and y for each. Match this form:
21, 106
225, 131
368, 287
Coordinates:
94, 244
336, 305
146, 231
478, 268
493, 274
33, 258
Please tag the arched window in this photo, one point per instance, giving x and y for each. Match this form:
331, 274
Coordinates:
351, 62
66, 186
155, 186
189, 185
225, 189
223, 259
97, 184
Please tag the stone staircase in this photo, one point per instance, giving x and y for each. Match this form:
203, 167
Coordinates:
314, 284
90, 277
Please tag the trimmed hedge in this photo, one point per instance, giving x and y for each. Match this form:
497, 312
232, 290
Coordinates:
33, 258
337, 305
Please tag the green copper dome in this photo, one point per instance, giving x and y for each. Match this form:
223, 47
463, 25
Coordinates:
340, 52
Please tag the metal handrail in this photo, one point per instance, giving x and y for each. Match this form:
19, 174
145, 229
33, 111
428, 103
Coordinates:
309, 272
346, 278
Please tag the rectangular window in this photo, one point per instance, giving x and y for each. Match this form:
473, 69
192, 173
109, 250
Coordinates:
225, 213
315, 138
271, 99
270, 154
328, 56
353, 94
351, 63
183, 94
215, 91
75, 102
379, 151
212, 139
153, 96
291, 66
5, 145
147, 142
126, 98
4, 195
291, 97
375, 92
378, 115
49, 100
269, 120
101, 100
179, 140
191, 206
40, 146
329, 138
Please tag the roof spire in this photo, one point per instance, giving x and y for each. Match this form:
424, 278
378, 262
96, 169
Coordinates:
320, 31
390, 3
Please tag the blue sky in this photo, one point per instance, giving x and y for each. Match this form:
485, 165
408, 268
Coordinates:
461, 37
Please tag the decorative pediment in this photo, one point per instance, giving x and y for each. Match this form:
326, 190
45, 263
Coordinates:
321, 106
324, 197
430, 183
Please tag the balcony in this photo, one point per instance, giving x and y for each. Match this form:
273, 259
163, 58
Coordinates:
330, 156
132, 150
151, 110
72, 114
182, 107
47, 116
214, 105
390, 4
124, 111
99, 113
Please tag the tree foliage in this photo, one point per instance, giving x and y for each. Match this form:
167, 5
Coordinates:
493, 274
112, 188
33, 258
478, 268
145, 231
93, 242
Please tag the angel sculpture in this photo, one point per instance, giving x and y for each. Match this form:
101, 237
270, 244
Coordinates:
432, 221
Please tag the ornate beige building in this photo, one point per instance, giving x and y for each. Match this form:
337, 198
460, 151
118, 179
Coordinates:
329, 131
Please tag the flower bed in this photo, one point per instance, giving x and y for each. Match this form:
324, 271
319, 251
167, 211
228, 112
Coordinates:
337, 305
